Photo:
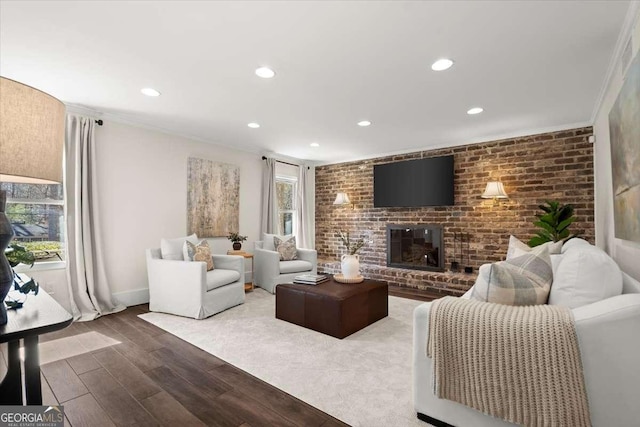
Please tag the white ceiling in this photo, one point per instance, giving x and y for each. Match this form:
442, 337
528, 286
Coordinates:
532, 65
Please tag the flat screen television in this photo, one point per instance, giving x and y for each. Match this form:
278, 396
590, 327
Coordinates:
414, 183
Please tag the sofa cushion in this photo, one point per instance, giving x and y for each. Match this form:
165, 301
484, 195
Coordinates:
200, 252
219, 277
586, 274
296, 266
286, 248
524, 280
518, 248
268, 240
172, 248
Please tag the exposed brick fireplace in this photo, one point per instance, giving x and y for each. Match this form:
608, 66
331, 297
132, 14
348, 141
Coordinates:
556, 166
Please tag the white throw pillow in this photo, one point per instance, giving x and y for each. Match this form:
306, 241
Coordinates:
268, 240
586, 274
518, 248
172, 248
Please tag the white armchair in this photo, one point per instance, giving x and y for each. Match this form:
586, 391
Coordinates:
270, 271
187, 289
607, 332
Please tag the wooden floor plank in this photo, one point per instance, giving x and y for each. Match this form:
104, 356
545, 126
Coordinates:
141, 358
128, 375
76, 328
63, 381
189, 396
145, 327
169, 412
83, 363
85, 411
123, 409
198, 356
101, 325
293, 409
48, 398
206, 382
251, 411
130, 332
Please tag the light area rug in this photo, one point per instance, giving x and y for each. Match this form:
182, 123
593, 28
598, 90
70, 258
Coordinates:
363, 380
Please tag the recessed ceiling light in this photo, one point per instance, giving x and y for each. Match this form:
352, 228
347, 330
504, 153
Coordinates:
475, 110
364, 123
253, 125
265, 72
442, 64
314, 145
149, 91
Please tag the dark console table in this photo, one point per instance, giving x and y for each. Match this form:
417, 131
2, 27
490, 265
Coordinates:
333, 308
40, 314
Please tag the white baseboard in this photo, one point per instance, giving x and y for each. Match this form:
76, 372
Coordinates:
134, 297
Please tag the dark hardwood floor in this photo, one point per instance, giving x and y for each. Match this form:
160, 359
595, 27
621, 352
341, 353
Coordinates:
151, 377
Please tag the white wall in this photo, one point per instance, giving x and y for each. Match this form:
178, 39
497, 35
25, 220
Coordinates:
625, 253
142, 181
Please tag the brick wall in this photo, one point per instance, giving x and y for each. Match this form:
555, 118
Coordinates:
557, 166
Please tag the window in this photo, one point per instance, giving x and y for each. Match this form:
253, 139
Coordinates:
36, 212
286, 195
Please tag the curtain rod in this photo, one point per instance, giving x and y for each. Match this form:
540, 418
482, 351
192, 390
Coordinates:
280, 161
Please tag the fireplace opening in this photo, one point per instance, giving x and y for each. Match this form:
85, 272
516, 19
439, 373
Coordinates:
415, 246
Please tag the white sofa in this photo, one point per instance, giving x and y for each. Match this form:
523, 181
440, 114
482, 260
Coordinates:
269, 271
609, 338
186, 288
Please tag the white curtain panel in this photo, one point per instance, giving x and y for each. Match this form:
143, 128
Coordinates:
269, 217
89, 289
306, 208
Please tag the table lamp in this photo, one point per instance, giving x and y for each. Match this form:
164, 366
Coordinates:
31, 144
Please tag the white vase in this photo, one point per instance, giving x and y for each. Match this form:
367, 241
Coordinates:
350, 266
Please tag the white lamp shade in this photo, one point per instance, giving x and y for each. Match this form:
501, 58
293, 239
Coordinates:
342, 199
31, 134
494, 190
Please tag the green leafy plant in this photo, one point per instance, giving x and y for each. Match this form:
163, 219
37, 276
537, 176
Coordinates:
17, 254
554, 223
352, 247
236, 238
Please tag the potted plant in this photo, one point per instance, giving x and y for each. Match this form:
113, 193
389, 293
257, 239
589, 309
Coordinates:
350, 263
554, 223
17, 254
237, 240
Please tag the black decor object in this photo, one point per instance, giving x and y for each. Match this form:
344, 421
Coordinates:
6, 273
468, 269
454, 264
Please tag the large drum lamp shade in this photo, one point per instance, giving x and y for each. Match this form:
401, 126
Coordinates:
31, 134
31, 142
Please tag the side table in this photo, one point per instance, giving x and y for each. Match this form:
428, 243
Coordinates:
248, 286
39, 315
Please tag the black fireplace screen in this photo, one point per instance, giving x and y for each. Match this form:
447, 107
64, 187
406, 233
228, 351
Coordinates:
418, 246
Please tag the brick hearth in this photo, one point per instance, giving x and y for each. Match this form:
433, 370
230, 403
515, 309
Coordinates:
556, 166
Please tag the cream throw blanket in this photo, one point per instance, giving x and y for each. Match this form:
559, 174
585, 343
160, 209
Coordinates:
520, 364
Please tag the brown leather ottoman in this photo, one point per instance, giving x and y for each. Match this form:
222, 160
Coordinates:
333, 308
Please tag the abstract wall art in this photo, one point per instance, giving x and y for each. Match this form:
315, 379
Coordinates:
624, 130
213, 198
